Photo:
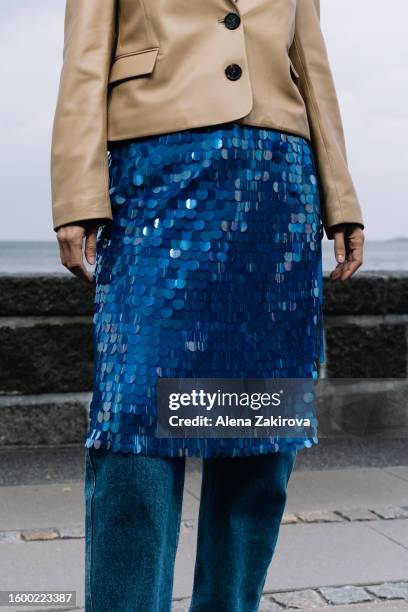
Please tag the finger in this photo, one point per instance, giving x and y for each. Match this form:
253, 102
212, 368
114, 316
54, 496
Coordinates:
353, 238
340, 247
62, 252
75, 261
350, 269
353, 263
355, 243
90, 245
81, 272
337, 272
340, 255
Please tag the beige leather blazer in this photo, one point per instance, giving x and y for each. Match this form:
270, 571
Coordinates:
135, 68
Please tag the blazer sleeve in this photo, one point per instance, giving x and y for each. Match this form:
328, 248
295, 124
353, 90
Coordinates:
308, 53
79, 164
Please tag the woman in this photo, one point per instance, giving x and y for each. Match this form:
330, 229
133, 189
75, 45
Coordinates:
226, 162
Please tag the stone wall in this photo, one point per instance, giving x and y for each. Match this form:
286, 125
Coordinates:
46, 357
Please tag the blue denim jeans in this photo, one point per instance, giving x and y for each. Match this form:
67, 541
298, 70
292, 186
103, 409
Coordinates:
133, 512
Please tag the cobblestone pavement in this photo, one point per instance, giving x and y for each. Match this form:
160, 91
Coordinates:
387, 513
324, 597
328, 598
306, 599
353, 523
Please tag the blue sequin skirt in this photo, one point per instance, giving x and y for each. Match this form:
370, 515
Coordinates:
211, 268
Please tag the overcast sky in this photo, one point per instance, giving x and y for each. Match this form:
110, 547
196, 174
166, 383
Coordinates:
368, 49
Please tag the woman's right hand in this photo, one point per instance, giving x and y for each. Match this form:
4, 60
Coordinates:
70, 239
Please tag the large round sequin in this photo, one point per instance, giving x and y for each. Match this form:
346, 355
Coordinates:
211, 268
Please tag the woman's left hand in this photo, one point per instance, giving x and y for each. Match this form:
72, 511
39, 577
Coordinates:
348, 250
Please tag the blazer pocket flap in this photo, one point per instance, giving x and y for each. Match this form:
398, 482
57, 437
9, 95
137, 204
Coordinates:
133, 64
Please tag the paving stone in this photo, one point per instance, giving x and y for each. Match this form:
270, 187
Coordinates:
193, 483
181, 605
300, 600
340, 488
392, 512
186, 557
76, 531
372, 606
59, 505
358, 514
289, 518
311, 555
390, 590
319, 516
396, 531
31, 535
268, 605
345, 595
187, 526
43, 566
401, 471
190, 507
10, 536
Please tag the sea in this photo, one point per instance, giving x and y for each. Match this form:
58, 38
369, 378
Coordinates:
42, 257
